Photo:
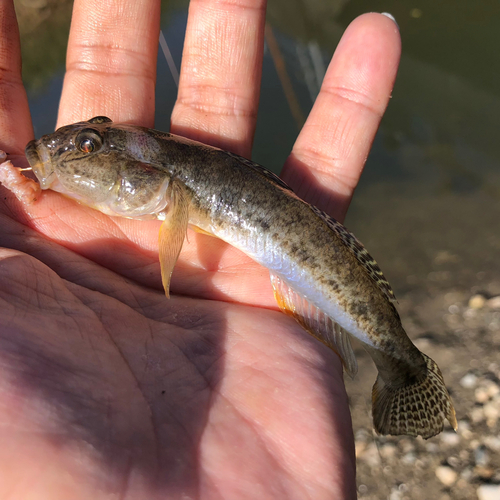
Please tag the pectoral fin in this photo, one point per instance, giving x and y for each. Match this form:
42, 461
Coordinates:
172, 232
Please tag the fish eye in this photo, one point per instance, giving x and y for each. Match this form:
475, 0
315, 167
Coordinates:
88, 141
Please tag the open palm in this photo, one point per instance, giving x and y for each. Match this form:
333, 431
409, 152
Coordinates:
109, 390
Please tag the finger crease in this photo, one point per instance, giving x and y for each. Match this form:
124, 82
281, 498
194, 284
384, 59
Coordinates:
327, 167
112, 59
217, 110
8, 77
93, 70
355, 97
236, 5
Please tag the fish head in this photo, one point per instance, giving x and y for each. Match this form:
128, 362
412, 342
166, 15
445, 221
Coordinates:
112, 168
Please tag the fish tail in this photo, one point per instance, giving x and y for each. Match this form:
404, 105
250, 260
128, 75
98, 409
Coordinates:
418, 408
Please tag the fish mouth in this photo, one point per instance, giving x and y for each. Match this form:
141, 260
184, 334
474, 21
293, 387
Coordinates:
41, 167
32, 154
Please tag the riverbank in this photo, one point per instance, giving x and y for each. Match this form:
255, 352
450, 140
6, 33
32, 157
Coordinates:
461, 331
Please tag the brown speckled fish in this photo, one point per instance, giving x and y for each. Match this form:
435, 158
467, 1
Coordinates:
320, 272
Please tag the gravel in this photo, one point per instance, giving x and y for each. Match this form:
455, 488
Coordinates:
488, 492
447, 475
461, 331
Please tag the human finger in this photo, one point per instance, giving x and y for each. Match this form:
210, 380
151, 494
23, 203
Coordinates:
220, 75
330, 152
15, 121
111, 61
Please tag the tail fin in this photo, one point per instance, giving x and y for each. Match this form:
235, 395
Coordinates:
417, 409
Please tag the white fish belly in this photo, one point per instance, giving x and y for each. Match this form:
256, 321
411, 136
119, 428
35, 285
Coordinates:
300, 280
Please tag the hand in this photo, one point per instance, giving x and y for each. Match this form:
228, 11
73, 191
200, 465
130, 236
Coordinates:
108, 388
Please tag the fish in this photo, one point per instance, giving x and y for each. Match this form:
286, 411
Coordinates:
322, 276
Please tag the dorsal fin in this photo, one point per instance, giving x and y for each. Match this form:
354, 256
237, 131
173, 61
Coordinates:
260, 170
364, 258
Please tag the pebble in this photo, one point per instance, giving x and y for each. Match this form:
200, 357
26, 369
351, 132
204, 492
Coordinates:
446, 475
407, 445
409, 458
477, 415
362, 435
362, 488
493, 303
422, 343
481, 456
477, 301
432, 447
468, 381
371, 455
466, 474
484, 473
398, 492
465, 433
488, 492
493, 389
495, 368
463, 425
481, 395
450, 438
492, 442
360, 448
388, 451
492, 413
486, 391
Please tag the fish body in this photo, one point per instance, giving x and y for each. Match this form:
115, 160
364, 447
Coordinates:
321, 274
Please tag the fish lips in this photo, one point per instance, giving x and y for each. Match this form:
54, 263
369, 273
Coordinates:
40, 164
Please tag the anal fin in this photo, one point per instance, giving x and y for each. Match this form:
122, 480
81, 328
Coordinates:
315, 322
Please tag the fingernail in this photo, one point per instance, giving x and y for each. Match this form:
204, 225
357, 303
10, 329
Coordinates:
390, 16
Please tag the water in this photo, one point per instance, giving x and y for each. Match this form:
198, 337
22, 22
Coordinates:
428, 204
